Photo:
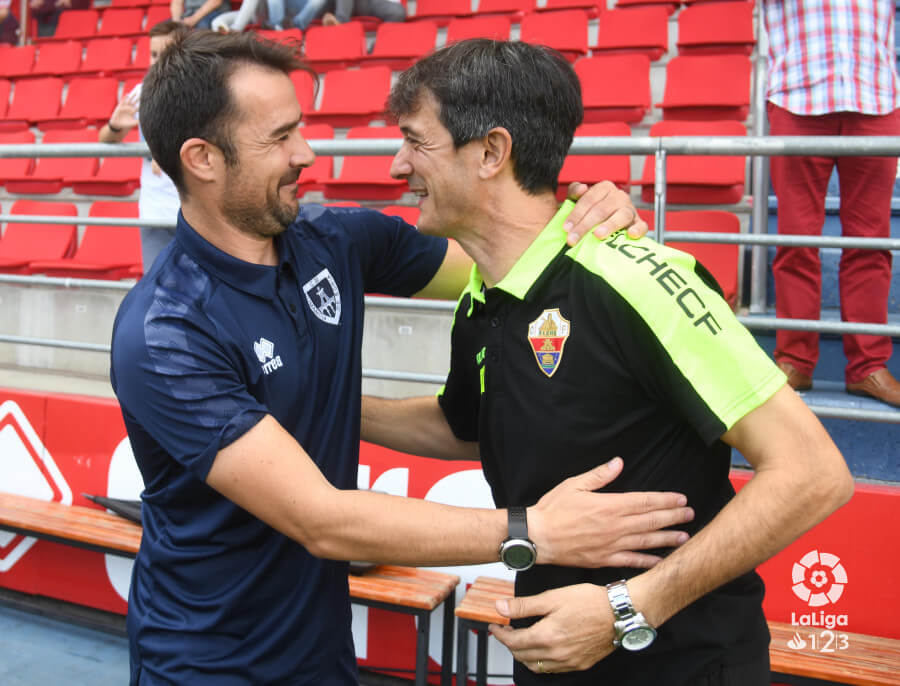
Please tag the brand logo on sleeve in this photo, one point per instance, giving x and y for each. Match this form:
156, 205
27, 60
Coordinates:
547, 335
323, 297
265, 353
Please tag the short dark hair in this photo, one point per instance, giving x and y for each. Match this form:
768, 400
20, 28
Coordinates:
186, 93
169, 27
530, 90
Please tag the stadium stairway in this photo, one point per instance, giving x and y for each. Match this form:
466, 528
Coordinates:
869, 447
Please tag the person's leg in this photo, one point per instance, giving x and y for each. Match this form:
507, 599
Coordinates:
276, 12
224, 23
867, 184
152, 243
207, 21
386, 10
800, 184
307, 11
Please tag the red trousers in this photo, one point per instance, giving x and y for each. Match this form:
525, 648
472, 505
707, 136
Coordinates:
866, 185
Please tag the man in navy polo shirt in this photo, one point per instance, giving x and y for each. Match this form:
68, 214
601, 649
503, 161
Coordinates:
236, 361
610, 347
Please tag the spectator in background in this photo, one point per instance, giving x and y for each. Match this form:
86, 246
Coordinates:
340, 11
302, 12
832, 72
9, 25
47, 13
198, 14
159, 197
236, 21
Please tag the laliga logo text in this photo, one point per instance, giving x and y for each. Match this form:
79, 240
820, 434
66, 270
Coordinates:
818, 580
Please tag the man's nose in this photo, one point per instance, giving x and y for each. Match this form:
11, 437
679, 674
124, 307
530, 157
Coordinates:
400, 166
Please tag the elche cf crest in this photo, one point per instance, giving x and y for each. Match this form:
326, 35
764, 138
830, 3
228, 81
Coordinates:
323, 297
547, 335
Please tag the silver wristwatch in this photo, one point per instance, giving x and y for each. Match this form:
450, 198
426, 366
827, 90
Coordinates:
632, 631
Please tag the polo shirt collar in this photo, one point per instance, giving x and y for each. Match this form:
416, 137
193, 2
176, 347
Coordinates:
255, 279
543, 250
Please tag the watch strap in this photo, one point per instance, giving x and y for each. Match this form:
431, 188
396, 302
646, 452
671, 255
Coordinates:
620, 600
517, 522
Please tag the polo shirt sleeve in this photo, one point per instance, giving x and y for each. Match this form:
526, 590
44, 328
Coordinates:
460, 397
395, 258
174, 377
661, 312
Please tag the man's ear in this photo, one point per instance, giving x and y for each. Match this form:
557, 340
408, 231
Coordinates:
201, 160
496, 152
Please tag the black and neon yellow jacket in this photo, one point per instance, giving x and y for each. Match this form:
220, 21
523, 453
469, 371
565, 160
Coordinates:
614, 347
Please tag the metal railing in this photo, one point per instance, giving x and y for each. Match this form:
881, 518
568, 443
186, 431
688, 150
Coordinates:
755, 147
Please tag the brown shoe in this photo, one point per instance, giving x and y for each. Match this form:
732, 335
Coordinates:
796, 380
880, 385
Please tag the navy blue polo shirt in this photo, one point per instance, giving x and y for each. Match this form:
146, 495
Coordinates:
204, 347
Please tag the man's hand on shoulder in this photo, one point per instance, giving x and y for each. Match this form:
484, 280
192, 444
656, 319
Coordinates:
573, 526
604, 209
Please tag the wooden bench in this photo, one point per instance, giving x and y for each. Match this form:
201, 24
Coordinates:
399, 589
865, 661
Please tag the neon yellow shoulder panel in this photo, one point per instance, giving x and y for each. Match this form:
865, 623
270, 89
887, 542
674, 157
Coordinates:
692, 322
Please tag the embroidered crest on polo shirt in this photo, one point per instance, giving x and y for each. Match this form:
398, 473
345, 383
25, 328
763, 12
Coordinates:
323, 297
547, 335
265, 353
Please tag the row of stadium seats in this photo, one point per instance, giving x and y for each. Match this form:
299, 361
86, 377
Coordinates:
615, 88
114, 252
690, 179
122, 57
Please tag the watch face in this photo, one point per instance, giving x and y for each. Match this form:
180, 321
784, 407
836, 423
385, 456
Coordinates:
518, 555
638, 639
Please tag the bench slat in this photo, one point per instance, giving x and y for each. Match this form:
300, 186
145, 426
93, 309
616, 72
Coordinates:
867, 660
411, 587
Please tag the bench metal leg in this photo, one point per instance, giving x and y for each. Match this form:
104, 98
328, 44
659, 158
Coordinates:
422, 635
481, 655
447, 645
462, 652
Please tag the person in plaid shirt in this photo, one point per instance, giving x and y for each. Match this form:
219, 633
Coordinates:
832, 72
9, 25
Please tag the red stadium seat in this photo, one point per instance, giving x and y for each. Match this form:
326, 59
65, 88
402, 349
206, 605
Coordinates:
24, 243
335, 47
398, 45
115, 176
57, 59
75, 24
594, 168
107, 56
407, 213
353, 97
565, 31
119, 22
16, 61
669, 5
721, 259
305, 87
51, 174
591, 7
15, 167
495, 28
716, 28
287, 36
157, 13
514, 9
89, 102
442, 12
5, 88
615, 87
707, 87
313, 178
697, 179
33, 100
642, 30
367, 178
141, 62
105, 252
129, 3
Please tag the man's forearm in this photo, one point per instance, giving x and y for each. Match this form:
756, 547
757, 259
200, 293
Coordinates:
787, 496
413, 425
